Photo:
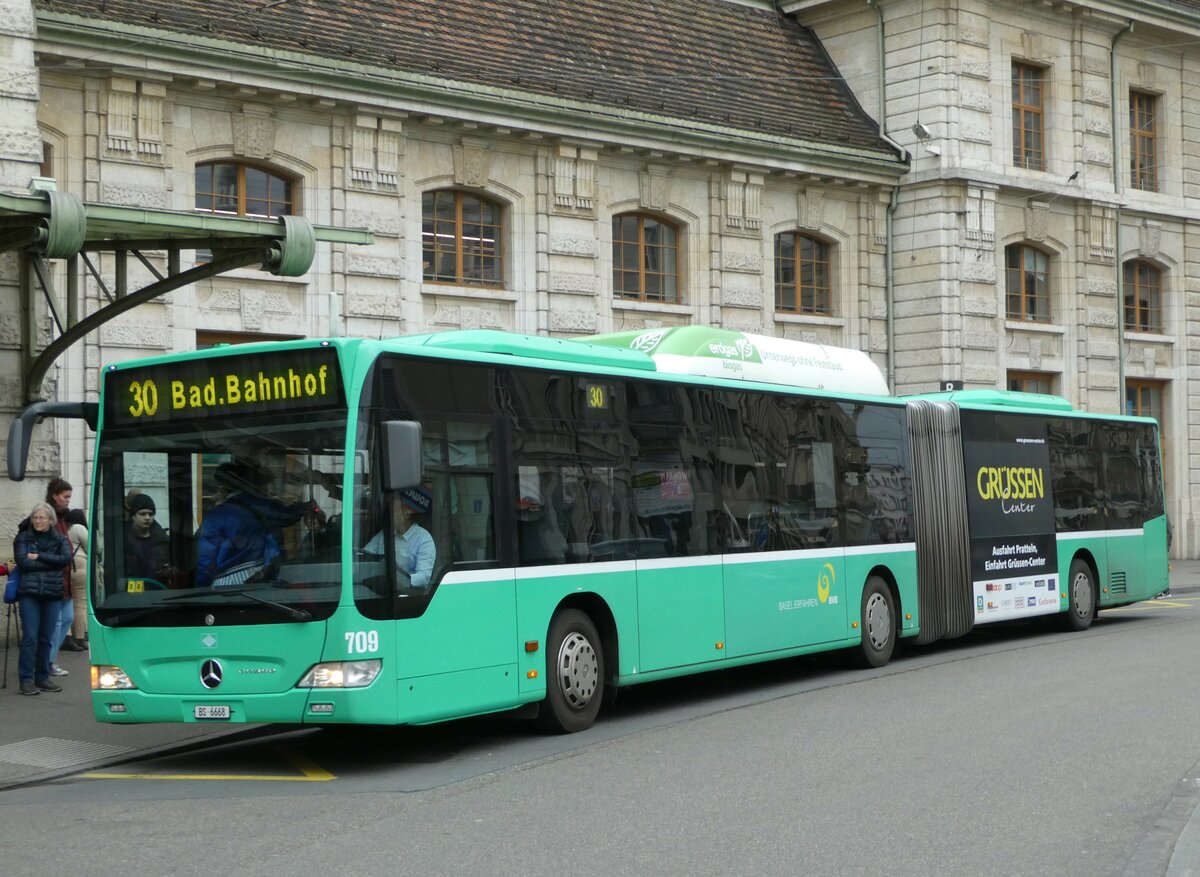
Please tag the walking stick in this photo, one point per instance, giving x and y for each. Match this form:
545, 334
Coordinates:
7, 623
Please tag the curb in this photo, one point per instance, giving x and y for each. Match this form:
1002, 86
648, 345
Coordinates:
162, 750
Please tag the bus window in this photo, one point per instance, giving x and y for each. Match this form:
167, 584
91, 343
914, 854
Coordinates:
807, 507
1131, 475
673, 479
469, 513
459, 460
151, 511
1075, 474
1122, 486
454, 505
875, 474
778, 476
539, 513
664, 497
1146, 450
602, 513
571, 506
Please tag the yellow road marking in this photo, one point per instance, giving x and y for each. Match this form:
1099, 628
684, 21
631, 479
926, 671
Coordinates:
309, 770
1147, 605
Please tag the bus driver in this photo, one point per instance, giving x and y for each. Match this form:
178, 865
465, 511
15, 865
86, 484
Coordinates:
415, 551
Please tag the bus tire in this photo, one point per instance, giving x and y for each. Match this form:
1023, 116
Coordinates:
574, 674
1081, 596
878, 624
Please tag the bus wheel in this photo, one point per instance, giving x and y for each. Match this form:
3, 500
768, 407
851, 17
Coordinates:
878, 624
1081, 594
574, 674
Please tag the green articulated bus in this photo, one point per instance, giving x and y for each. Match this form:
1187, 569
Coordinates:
412, 530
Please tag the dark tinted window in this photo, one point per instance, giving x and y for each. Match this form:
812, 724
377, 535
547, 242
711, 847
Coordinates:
614, 476
571, 479
1131, 475
1146, 448
1075, 465
1105, 475
777, 473
875, 481
585, 468
673, 480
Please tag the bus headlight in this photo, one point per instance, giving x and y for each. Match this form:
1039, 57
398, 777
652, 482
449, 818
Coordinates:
106, 677
341, 674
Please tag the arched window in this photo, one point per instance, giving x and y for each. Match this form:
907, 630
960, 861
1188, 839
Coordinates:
803, 279
1143, 297
645, 258
235, 188
1027, 282
461, 238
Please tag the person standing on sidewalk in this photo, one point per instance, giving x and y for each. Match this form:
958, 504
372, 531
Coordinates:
58, 496
42, 554
77, 538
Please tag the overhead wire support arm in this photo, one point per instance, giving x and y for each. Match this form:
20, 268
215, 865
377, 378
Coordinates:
48, 224
42, 362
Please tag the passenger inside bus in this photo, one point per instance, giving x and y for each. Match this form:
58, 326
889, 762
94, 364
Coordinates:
416, 553
540, 538
240, 538
147, 546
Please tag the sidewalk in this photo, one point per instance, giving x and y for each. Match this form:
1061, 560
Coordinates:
55, 734
1185, 575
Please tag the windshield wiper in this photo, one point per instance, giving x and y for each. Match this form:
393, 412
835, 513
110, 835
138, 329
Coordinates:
129, 615
294, 614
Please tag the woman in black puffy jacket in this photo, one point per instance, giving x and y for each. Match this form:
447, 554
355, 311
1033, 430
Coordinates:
42, 554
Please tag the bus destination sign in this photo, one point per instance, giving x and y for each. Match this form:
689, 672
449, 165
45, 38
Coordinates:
255, 383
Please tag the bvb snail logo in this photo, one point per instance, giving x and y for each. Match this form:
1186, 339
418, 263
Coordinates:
825, 582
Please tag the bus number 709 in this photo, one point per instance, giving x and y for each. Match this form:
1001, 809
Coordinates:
362, 642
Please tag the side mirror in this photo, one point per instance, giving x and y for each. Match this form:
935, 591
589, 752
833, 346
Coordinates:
20, 430
401, 440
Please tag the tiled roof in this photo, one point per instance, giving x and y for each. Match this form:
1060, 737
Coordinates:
702, 61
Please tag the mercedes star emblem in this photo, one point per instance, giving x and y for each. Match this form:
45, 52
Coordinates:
210, 674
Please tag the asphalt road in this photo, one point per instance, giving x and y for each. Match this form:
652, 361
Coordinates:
1012, 751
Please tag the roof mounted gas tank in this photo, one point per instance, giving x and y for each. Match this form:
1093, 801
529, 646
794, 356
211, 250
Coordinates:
708, 352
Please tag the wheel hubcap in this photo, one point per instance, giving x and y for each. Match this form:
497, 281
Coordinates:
1082, 591
878, 621
578, 670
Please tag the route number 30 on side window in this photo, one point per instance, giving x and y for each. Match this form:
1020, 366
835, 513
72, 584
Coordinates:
362, 642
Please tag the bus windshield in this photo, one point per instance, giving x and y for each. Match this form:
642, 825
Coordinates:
214, 522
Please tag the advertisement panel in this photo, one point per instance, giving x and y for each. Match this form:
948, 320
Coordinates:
1014, 558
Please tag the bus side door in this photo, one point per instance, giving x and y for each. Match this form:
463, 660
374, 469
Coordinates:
784, 599
681, 617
